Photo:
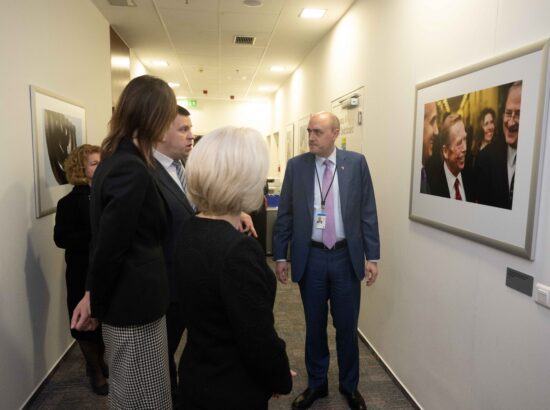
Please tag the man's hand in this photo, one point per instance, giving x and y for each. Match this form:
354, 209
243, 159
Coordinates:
247, 226
371, 272
281, 270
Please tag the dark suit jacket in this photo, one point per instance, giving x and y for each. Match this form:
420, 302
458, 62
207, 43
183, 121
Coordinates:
179, 210
233, 358
127, 276
295, 215
439, 186
492, 175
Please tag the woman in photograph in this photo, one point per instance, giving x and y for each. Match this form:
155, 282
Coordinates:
72, 233
484, 134
233, 358
127, 285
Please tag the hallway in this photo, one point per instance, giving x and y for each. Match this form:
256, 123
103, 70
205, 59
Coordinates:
68, 388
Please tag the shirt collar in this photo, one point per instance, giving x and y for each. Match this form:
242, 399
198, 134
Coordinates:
332, 158
165, 160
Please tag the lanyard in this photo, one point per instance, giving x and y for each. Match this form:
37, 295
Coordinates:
323, 200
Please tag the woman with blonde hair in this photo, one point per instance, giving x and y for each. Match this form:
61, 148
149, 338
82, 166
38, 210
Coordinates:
72, 233
127, 285
233, 358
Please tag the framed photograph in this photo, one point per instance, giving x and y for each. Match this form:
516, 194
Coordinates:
476, 162
58, 126
289, 141
303, 144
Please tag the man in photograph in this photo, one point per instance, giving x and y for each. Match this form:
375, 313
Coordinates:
496, 164
430, 132
450, 181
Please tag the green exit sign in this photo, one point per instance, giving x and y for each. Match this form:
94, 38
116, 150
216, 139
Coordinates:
187, 102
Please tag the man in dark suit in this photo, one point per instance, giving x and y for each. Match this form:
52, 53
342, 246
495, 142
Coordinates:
169, 152
450, 180
332, 225
496, 164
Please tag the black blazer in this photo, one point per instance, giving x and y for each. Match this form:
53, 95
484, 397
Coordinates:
179, 210
233, 358
127, 276
439, 186
492, 175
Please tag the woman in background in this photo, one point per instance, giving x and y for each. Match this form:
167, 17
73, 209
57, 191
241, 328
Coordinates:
72, 233
484, 134
127, 285
233, 358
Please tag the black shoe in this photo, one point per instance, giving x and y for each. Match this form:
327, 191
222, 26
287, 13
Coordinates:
355, 400
309, 395
102, 390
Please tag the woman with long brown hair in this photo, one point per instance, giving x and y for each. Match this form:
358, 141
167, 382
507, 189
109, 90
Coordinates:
127, 286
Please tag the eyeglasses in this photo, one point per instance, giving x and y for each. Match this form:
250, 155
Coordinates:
509, 114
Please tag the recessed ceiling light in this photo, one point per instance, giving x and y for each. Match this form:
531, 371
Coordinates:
120, 62
267, 88
312, 13
174, 85
160, 63
252, 3
277, 69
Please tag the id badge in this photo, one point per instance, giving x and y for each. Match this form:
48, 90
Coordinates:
320, 220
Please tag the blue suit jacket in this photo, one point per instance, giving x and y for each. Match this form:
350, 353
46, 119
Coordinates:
294, 222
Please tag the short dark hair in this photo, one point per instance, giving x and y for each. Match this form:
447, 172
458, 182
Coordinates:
183, 111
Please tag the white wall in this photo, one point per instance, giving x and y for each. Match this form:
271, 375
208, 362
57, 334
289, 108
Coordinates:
211, 114
440, 314
61, 46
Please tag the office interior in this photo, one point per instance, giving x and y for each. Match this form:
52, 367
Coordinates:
440, 316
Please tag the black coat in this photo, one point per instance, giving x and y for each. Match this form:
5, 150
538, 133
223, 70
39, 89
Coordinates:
233, 358
127, 276
492, 175
72, 233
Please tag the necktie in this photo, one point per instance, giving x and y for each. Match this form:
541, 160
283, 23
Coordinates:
329, 234
457, 191
181, 175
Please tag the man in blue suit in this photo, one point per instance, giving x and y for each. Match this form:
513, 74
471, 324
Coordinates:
327, 212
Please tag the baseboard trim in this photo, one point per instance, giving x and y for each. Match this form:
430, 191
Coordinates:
389, 371
32, 397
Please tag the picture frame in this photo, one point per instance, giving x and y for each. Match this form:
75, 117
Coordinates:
303, 144
500, 174
58, 126
289, 141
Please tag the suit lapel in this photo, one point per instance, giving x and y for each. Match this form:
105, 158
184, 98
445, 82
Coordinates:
343, 180
308, 177
166, 180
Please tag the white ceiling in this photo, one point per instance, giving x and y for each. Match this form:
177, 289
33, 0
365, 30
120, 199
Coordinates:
196, 38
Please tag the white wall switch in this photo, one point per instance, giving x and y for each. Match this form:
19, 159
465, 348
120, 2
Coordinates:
542, 294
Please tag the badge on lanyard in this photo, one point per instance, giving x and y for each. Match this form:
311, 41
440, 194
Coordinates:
320, 219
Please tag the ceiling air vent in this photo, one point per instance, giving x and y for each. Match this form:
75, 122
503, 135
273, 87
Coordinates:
245, 40
122, 3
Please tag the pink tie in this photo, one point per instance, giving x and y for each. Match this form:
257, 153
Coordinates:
329, 234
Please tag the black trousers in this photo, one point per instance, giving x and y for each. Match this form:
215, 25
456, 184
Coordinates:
175, 326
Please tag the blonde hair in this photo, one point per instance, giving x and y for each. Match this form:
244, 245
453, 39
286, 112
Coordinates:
75, 164
226, 172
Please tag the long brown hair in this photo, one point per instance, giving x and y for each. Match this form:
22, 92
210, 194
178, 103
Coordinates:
145, 110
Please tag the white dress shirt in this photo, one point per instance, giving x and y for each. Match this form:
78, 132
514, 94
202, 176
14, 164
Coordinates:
317, 234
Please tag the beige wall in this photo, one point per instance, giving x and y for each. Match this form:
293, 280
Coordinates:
61, 46
440, 314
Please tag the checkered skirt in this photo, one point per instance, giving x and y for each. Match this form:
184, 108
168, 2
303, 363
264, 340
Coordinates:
138, 366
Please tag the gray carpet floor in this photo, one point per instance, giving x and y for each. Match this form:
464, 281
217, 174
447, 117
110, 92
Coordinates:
68, 387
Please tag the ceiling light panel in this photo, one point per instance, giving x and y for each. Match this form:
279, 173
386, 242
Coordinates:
312, 13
